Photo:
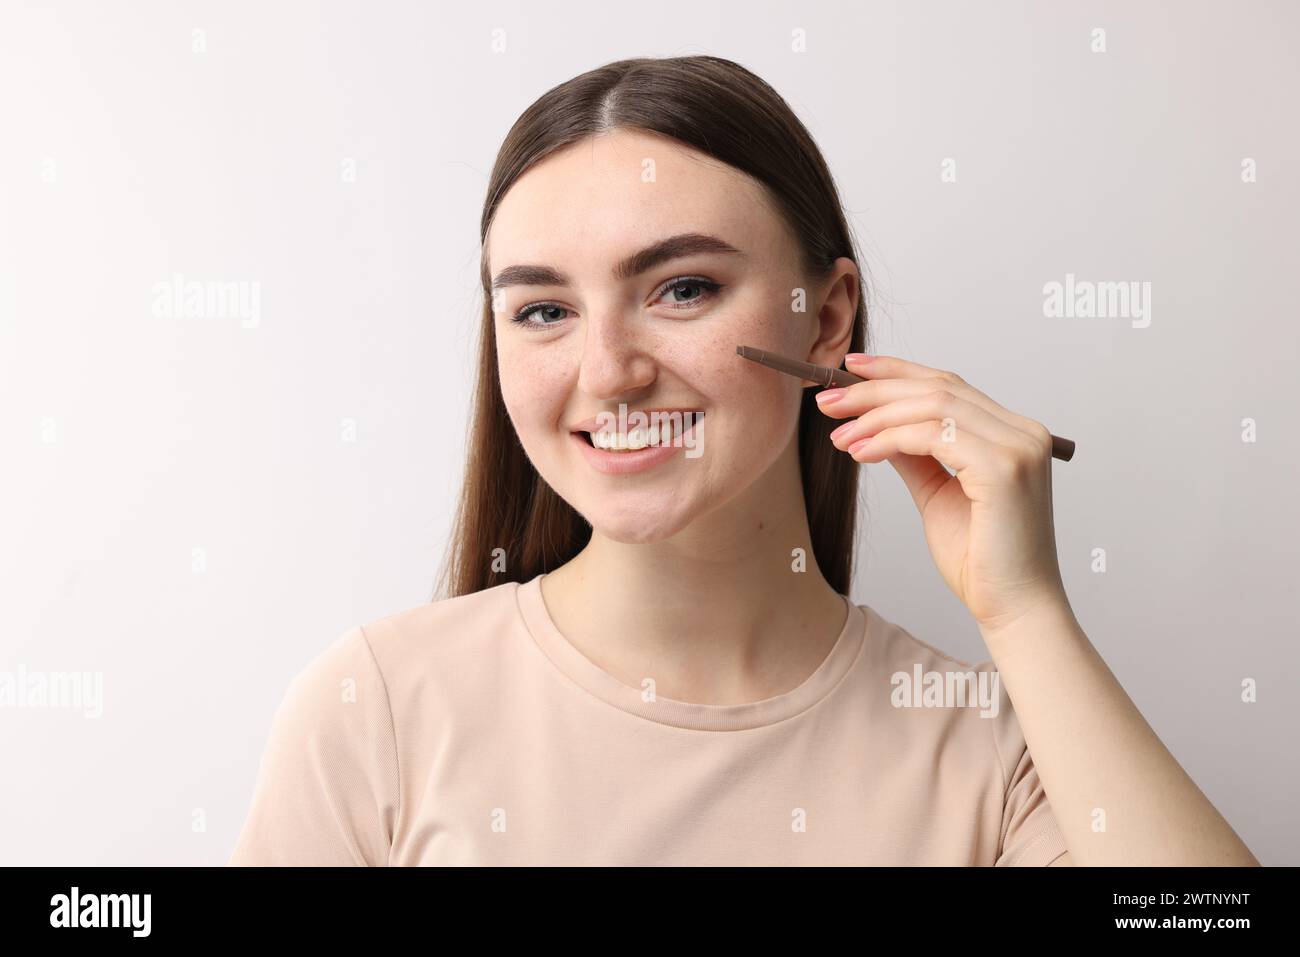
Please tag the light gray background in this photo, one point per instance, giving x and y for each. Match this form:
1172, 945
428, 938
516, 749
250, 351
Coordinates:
132, 440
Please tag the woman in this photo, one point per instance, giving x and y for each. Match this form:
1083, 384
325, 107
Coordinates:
648, 656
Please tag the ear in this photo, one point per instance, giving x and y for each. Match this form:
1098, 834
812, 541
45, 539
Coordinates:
837, 307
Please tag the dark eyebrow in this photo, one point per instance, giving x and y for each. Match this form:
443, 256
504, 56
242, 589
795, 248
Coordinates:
674, 247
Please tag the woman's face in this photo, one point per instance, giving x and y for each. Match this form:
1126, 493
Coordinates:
611, 325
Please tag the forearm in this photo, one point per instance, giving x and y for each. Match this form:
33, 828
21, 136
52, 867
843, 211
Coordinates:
1095, 752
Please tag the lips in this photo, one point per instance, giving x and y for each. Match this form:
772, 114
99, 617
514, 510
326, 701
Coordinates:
645, 454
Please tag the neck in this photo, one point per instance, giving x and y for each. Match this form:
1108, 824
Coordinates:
718, 613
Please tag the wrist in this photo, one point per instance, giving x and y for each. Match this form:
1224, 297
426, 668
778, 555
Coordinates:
1049, 614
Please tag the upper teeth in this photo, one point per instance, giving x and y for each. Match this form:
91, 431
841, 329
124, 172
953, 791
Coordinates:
641, 437
638, 438
662, 431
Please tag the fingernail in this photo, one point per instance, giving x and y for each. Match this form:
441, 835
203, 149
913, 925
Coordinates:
828, 396
857, 357
843, 429
858, 444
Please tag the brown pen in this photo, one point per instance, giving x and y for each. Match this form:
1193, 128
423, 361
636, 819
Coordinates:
827, 377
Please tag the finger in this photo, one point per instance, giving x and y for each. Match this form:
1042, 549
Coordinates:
973, 459
940, 404
860, 397
885, 367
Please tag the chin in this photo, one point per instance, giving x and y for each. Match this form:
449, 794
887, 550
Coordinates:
638, 526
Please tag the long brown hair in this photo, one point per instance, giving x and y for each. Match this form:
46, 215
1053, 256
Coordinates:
511, 525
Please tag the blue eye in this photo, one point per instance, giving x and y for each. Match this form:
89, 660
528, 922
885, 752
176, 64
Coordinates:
707, 289
522, 315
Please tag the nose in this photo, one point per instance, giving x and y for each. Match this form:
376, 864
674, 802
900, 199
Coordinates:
615, 361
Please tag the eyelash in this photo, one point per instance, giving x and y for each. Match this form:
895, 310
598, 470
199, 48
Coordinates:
709, 287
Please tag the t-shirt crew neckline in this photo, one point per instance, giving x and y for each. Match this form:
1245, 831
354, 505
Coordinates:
685, 714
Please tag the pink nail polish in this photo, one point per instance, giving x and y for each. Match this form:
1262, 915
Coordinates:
842, 430
828, 396
858, 444
857, 357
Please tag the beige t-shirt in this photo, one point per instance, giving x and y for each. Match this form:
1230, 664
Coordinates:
469, 731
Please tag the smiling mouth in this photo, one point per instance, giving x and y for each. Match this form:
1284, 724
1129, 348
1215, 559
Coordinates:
660, 433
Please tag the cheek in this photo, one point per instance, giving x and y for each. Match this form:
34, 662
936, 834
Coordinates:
532, 386
756, 397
